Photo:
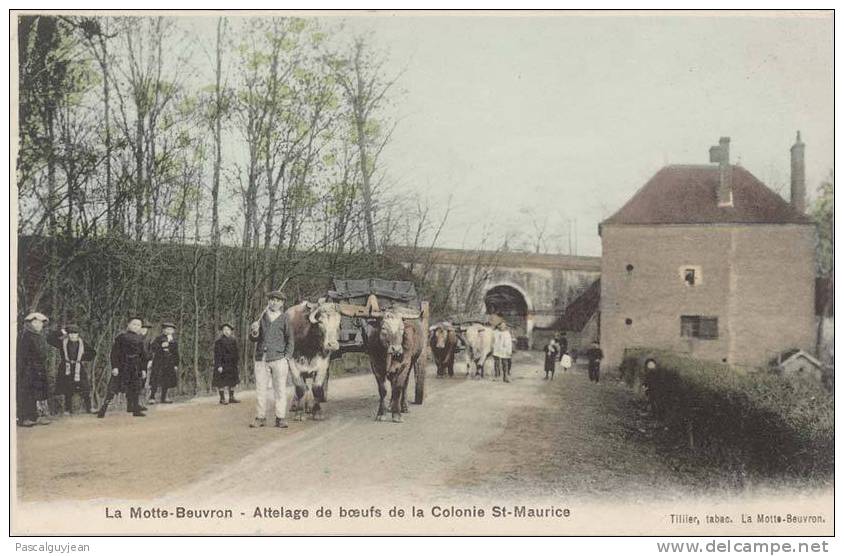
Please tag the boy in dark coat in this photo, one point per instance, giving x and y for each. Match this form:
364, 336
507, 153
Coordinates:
127, 368
31, 371
165, 362
225, 364
594, 356
552, 354
72, 376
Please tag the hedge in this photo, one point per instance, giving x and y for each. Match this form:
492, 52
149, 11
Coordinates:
762, 420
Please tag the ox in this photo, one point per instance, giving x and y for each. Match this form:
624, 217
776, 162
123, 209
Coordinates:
394, 343
478, 340
316, 330
443, 342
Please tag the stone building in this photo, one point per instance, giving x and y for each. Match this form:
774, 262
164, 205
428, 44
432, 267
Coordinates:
708, 261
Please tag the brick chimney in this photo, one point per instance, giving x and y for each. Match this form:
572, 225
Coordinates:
798, 176
720, 153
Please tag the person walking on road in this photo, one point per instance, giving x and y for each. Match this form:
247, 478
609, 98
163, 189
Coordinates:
226, 357
594, 356
31, 371
72, 376
165, 362
273, 339
128, 368
502, 350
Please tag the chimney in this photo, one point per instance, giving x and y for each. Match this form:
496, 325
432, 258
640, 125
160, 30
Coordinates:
720, 153
798, 176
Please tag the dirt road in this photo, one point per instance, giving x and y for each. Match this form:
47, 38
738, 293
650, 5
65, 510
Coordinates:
568, 436
472, 439
471, 443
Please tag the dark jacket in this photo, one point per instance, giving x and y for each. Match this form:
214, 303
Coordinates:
274, 340
552, 355
226, 356
594, 355
31, 362
165, 360
68, 377
128, 357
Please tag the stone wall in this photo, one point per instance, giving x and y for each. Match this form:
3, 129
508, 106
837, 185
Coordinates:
758, 280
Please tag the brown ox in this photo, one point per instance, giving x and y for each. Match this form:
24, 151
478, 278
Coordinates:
443, 343
316, 330
394, 345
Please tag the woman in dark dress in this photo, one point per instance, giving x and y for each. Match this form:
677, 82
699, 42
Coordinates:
72, 374
165, 362
226, 355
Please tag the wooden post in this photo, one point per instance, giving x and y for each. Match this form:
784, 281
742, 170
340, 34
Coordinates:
691, 433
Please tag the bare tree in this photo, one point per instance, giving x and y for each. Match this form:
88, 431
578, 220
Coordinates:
365, 90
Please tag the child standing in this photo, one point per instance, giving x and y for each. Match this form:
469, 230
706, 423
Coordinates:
552, 351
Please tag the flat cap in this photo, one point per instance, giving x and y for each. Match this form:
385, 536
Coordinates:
71, 329
277, 294
167, 324
146, 324
36, 316
225, 324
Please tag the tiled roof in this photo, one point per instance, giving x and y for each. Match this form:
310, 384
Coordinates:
687, 194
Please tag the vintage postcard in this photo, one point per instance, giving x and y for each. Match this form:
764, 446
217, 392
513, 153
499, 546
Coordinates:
469, 273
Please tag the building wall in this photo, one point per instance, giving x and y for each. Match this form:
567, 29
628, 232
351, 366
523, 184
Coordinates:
758, 280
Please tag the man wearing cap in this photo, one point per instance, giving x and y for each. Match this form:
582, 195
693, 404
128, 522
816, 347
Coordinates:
225, 364
31, 371
165, 362
127, 368
72, 376
273, 347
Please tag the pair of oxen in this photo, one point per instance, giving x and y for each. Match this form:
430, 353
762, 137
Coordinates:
476, 338
394, 342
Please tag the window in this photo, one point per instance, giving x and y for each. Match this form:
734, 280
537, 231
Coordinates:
691, 275
630, 268
695, 326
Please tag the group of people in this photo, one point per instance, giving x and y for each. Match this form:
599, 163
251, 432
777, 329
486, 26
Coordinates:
137, 364
557, 351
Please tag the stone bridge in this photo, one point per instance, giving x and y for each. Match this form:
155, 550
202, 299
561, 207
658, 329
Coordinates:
530, 289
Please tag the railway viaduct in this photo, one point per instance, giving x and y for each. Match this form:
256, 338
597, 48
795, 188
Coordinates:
530, 289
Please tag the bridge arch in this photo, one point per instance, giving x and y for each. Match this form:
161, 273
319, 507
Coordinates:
514, 302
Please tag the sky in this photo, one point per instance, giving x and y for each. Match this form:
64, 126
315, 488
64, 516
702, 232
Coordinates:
561, 118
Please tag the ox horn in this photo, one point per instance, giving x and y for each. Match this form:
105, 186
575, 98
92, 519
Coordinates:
312, 316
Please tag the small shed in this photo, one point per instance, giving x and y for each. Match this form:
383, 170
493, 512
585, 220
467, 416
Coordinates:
798, 364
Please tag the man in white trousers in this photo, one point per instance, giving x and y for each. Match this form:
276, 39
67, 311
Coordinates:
273, 350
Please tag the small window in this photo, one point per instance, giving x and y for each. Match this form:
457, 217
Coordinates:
628, 322
691, 275
630, 268
695, 326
